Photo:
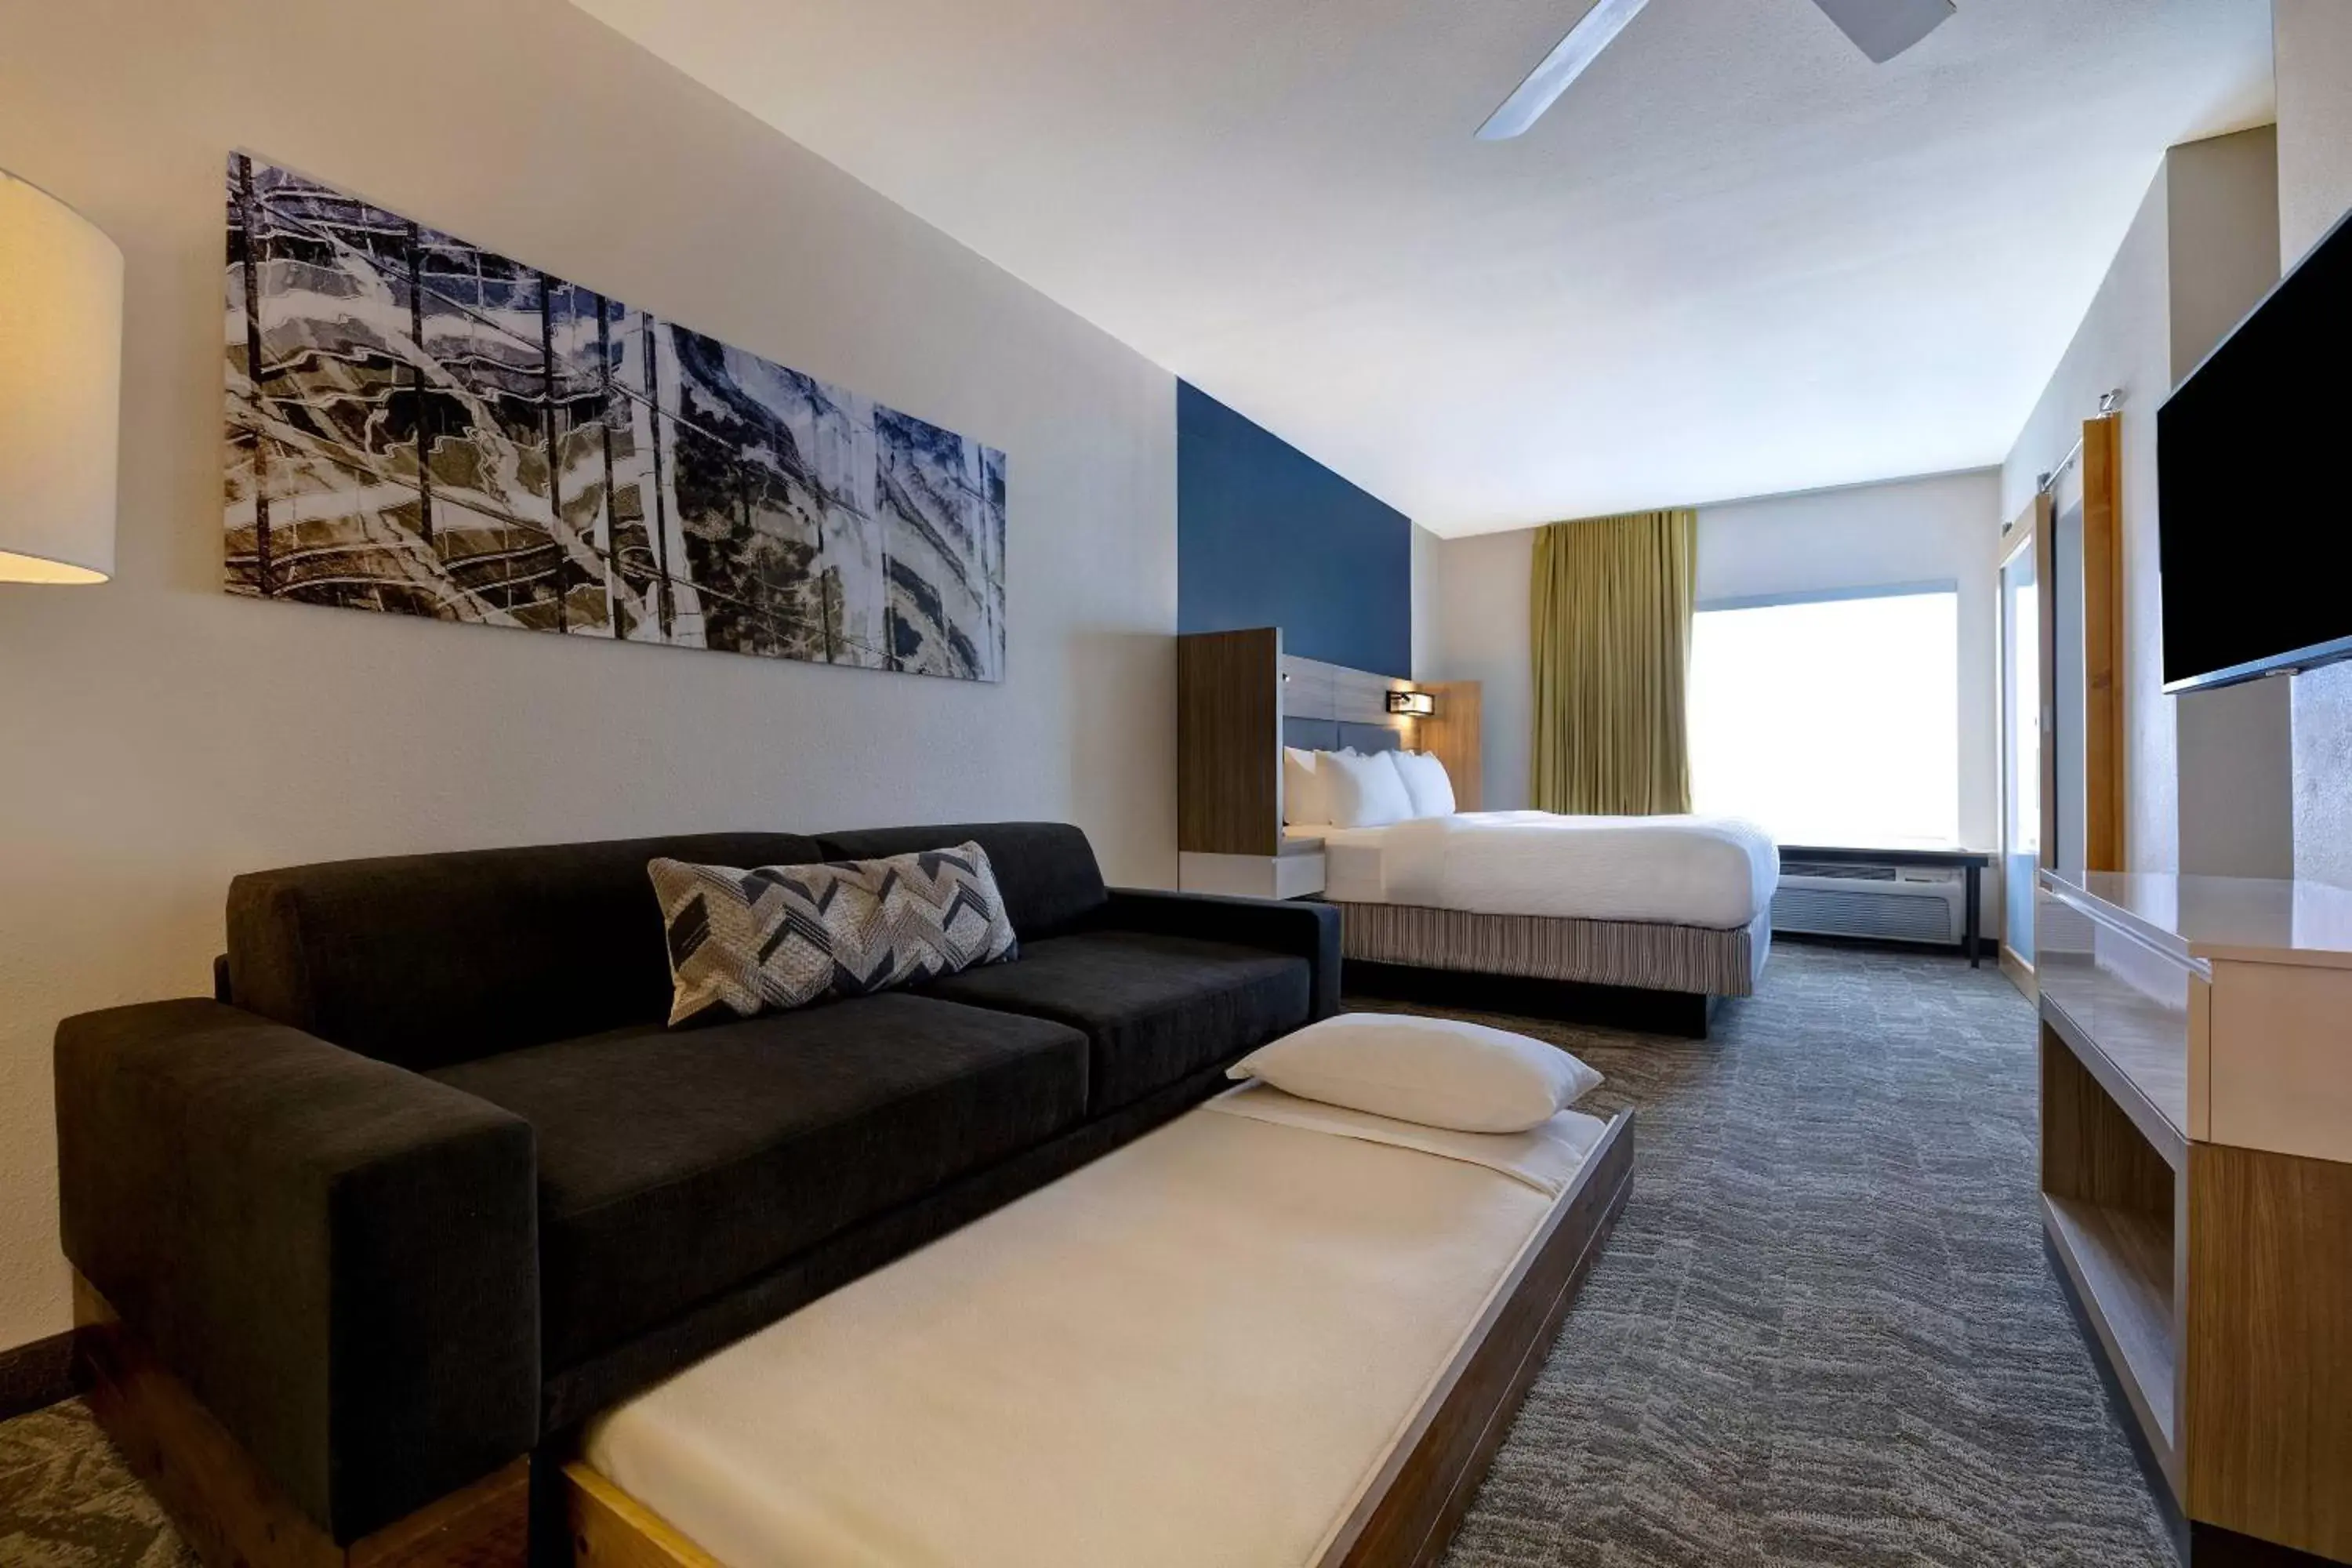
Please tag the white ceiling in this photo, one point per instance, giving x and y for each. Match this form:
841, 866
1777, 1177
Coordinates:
1737, 258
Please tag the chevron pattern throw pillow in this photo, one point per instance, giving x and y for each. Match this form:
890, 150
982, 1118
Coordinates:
783, 936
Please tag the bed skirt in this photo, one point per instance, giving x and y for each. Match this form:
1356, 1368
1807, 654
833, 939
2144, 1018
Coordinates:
1639, 953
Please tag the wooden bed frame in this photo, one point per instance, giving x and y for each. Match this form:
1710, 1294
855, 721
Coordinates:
1410, 1511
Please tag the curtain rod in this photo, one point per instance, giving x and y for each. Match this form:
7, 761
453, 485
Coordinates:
2110, 403
2049, 481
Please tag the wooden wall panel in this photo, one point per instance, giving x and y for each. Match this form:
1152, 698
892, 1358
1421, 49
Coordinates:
1229, 743
1234, 691
1313, 689
2103, 645
1309, 690
2269, 1347
1454, 736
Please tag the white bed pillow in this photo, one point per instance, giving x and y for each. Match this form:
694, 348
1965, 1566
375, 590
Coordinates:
1364, 791
1306, 794
1437, 1072
1426, 783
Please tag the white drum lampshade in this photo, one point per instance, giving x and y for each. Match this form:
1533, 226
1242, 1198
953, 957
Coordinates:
61, 390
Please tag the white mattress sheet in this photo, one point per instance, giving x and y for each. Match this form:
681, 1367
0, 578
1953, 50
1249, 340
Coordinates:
1546, 1158
1713, 871
1198, 1349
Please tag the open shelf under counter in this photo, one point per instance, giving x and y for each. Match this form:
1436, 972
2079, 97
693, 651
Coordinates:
2120, 1264
2196, 1186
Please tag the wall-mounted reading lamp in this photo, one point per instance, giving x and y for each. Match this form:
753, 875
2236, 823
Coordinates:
1413, 704
60, 389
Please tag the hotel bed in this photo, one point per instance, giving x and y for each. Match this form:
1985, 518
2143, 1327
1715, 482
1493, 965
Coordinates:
1641, 921
1274, 1331
1676, 905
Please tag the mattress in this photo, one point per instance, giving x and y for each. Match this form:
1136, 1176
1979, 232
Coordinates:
1200, 1349
1718, 872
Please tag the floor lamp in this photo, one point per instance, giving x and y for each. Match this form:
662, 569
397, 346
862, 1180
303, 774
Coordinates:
60, 389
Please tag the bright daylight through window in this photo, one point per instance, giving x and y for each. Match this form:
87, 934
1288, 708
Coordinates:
1831, 721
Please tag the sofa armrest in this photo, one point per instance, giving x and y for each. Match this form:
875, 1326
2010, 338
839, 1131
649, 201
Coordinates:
1307, 931
339, 1256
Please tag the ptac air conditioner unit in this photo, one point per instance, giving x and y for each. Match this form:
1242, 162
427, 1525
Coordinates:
1890, 904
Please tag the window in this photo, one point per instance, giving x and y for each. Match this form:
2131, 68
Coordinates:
1831, 718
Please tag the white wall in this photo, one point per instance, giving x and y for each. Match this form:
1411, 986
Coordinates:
2223, 222
1480, 632
2235, 745
1424, 608
2206, 777
2313, 44
1941, 528
164, 735
2122, 344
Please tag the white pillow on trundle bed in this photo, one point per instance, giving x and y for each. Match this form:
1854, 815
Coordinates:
1437, 1072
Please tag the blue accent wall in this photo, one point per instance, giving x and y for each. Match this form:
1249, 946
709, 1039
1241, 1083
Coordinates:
1265, 536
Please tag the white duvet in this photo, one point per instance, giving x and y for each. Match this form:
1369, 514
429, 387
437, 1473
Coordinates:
1713, 871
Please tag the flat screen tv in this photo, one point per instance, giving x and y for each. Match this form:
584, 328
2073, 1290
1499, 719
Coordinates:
2255, 480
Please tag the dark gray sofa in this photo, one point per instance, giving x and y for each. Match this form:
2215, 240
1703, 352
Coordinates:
429, 1181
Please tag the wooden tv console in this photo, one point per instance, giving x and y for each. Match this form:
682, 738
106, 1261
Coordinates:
2197, 1188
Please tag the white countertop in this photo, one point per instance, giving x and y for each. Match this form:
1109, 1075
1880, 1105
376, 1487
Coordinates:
2237, 918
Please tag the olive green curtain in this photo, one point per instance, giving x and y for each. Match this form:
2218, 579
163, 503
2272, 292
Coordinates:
1611, 611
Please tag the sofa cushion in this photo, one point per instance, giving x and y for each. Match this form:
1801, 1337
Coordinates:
426, 960
1154, 1008
675, 1164
767, 938
1047, 869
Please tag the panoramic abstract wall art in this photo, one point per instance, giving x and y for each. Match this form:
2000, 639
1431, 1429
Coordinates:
420, 426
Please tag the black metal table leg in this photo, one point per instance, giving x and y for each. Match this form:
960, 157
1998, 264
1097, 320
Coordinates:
1975, 890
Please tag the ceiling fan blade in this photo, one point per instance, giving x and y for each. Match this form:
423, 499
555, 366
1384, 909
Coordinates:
1884, 28
1593, 31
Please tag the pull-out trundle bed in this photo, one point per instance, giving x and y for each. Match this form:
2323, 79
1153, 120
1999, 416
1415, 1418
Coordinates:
1274, 1332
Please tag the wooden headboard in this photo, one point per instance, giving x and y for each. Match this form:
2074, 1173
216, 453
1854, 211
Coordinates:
1327, 707
1240, 700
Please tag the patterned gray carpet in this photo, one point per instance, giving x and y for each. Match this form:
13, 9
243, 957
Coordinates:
1825, 1331
66, 1501
1824, 1334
